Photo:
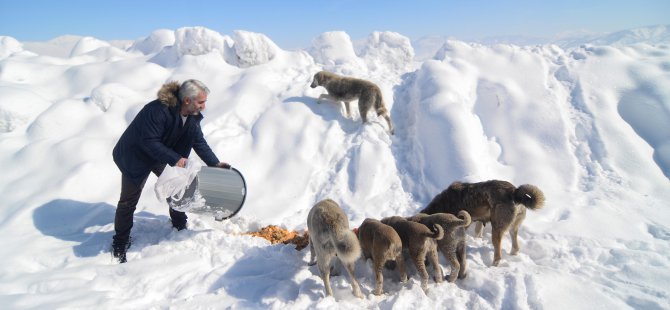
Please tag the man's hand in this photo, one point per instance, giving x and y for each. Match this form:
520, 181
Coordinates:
223, 165
181, 163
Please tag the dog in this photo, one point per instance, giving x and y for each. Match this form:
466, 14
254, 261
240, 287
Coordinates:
452, 245
347, 89
329, 236
495, 201
381, 243
419, 241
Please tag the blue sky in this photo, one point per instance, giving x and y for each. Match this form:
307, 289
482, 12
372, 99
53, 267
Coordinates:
293, 24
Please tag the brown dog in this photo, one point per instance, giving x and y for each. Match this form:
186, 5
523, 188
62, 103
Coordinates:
452, 245
498, 202
381, 243
418, 240
346, 89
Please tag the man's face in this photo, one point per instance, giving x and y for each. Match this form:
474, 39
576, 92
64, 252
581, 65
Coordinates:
194, 106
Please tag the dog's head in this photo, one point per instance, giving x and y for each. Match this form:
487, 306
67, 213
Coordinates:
318, 80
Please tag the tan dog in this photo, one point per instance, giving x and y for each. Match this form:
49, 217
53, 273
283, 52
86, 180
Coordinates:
419, 241
329, 236
452, 245
348, 89
381, 243
498, 202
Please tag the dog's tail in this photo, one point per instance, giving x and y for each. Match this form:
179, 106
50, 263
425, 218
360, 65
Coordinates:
347, 246
437, 232
381, 110
530, 196
465, 217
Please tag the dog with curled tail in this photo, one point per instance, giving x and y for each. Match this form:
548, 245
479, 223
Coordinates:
330, 238
347, 89
495, 201
419, 241
452, 245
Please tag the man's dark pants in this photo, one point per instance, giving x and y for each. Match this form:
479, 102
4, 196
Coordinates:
130, 195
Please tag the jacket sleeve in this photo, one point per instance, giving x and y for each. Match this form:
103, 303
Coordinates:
203, 150
154, 125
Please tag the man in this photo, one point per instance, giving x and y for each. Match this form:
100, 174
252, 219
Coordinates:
162, 133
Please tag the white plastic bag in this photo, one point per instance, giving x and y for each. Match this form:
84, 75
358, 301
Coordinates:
174, 180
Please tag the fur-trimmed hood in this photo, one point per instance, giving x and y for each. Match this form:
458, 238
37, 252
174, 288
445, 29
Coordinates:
168, 94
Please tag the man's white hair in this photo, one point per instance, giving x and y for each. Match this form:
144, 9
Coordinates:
191, 89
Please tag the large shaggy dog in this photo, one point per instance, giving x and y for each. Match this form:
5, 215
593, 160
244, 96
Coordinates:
419, 241
498, 202
452, 245
381, 243
348, 89
330, 236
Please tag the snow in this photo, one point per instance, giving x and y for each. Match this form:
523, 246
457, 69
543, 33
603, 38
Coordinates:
588, 124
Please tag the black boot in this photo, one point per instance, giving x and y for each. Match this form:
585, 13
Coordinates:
178, 219
119, 250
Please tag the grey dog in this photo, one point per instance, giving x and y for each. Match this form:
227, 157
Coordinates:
330, 237
347, 89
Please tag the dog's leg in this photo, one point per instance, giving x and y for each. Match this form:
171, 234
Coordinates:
450, 253
497, 235
402, 271
514, 230
324, 270
388, 120
496, 238
312, 253
461, 255
347, 106
479, 229
438, 274
354, 284
419, 258
363, 110
504, 217
379, 277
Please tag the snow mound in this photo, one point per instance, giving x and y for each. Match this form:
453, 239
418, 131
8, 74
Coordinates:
18, 107
193, 41
651, 35
389, 50
335, 52
106, 95
8, 46
86, 45
253, 49
155, 42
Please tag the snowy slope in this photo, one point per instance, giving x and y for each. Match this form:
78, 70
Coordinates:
588, 125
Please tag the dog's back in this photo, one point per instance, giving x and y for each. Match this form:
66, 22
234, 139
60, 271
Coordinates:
476, 198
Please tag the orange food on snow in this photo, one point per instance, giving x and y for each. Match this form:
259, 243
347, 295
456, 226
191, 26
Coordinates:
276, 234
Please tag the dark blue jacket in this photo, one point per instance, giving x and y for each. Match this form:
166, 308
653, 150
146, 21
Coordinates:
156, 137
